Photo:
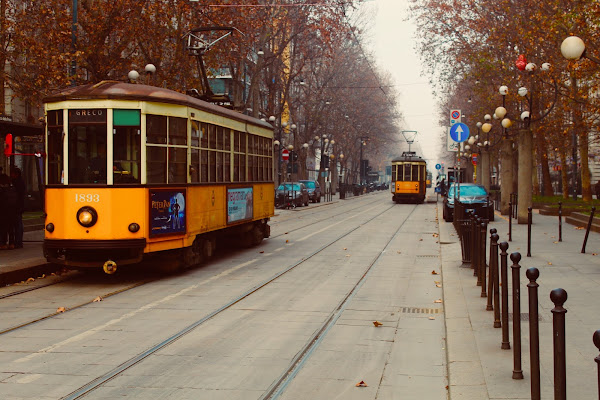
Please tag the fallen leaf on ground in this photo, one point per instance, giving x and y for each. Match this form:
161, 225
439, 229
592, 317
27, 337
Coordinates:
262, 252
30, 279
345, 248
97, 299
287, 241
361, 384
433, 272
438, 285
377, 324
549, 263
431, 317
555, 242
61, 309
438, 301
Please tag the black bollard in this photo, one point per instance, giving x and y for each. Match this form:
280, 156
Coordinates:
534, 332
504, 308
558, 297
587, 231
560, 221
529, 219
482, 264
496, 280
510, 222
490, 278
516, 301
475, 251
596, 339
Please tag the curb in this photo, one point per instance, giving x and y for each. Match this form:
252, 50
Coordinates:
22, 274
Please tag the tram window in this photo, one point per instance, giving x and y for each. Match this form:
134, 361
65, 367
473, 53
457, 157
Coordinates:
177, 131
415, 172
195, 134
55, 146
195, 166
226, 167
212, 137
219, 177
177, 165
406, 176
204, 136
212, 166
236, 141
394, 173
204, 166
242, 167
156, 129
156, 163
126, 154
226, 139
87, 154
251, 168
219, 138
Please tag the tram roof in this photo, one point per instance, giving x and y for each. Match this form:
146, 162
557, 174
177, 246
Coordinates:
408, 156
139, 92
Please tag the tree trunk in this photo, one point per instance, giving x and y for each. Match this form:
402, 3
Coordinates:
506, 175
525, 171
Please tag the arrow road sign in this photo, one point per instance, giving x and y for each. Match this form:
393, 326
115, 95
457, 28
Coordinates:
459, 132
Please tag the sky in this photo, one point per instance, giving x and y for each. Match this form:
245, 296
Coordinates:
393, 41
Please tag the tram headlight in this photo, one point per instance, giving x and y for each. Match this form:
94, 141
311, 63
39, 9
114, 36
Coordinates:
134, 227
87, 216
50, 227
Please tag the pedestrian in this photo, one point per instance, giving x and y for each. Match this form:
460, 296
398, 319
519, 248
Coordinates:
8, 206
597, 188
443, 187
19, 185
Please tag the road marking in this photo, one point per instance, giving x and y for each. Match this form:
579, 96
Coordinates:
102, 327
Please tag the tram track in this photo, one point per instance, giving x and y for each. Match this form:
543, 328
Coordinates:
314, 213
279, 384
132, 286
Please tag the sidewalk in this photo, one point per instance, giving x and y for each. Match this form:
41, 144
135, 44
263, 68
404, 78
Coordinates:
478, 368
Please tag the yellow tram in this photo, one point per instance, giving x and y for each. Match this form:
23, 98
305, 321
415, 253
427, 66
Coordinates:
134, 170
408, 178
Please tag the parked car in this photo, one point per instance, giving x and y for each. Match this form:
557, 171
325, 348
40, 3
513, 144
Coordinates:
291, 194
474, 196
314, 190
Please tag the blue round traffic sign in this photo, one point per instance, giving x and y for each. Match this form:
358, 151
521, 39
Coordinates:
438, 166
459, 132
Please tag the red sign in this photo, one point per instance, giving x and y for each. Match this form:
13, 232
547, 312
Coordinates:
285, 155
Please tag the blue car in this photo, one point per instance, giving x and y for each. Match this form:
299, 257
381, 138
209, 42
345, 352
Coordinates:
474, 196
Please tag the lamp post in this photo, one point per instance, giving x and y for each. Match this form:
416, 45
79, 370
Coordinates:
573, 48
524, 143
278, 143
363, 142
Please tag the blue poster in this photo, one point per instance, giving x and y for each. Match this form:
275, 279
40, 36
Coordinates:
167, 212
239, 204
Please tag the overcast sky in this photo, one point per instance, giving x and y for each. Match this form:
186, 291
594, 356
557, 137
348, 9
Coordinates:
394, 42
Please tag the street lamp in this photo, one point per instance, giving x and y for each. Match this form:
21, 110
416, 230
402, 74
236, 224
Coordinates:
573, 48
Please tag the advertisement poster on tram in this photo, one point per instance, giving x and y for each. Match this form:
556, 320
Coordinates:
239, 204
167, 212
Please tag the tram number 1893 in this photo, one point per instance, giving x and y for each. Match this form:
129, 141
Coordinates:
86, 198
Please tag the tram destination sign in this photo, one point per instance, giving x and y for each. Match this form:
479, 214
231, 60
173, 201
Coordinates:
90, 115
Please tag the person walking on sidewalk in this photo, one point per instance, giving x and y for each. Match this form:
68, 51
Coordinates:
19, 185
8, 209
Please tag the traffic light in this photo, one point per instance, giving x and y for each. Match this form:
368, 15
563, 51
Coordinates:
293, 156
8, 144
326, 162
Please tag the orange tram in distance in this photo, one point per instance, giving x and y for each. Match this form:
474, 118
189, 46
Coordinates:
409, 178
136, 170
